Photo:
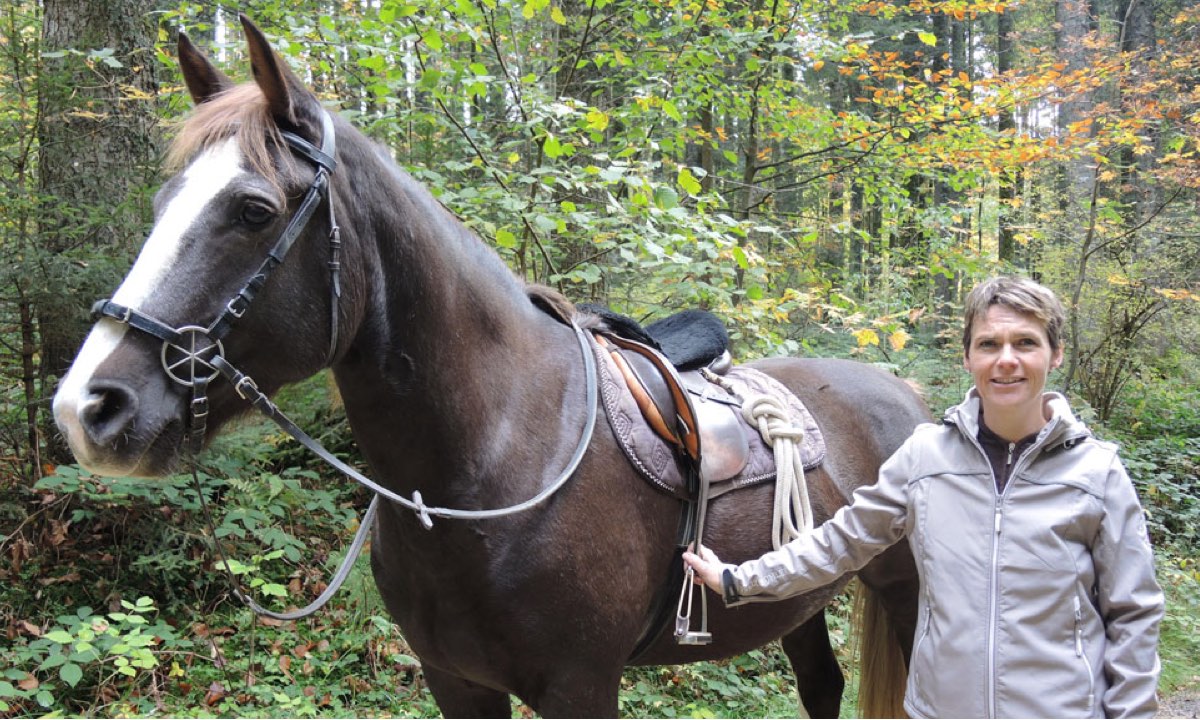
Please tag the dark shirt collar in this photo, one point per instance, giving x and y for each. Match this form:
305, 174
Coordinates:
1000, 453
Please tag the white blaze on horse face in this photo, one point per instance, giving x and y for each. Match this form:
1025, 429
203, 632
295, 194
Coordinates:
203, 181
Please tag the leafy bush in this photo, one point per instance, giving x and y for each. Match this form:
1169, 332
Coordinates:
1166, 471
1179, 643
77, 663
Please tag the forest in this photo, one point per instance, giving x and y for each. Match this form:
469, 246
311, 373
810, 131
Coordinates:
830, 177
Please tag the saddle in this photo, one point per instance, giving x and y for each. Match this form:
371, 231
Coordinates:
668, 420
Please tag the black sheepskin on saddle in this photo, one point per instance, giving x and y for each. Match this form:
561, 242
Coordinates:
690, 339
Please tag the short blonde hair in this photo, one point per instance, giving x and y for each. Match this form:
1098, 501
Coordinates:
1020, 294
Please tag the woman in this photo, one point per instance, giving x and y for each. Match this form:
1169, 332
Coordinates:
1038, 596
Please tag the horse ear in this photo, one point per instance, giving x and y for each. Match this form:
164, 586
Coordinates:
290, 103
204, 81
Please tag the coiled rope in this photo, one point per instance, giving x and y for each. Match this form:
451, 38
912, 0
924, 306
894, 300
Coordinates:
793, 509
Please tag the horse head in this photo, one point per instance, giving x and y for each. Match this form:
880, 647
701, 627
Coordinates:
210, 286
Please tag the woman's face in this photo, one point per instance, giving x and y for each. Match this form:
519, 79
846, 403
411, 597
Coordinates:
1009, 358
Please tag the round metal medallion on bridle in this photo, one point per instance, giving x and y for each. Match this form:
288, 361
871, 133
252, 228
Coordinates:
190, 357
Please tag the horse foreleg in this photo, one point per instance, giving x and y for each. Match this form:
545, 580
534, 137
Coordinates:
460, 698
579, 692
819, 680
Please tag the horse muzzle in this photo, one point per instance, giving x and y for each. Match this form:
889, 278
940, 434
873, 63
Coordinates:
119, 413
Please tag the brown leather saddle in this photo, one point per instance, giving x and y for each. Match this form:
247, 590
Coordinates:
669, 422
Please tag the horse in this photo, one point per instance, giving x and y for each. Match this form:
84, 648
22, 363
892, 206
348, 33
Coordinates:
464, 387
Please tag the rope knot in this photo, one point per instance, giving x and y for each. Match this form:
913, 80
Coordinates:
772, 419
422, 510
793, 509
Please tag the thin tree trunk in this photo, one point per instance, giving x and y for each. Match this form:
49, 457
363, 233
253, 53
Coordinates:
1011, 180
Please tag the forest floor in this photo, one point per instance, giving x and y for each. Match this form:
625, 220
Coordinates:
1183, 704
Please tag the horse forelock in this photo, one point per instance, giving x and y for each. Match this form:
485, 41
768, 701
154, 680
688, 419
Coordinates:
240, 112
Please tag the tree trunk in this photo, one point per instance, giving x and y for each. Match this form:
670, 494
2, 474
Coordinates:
1011, 180
1139, 39
1075, 20
98, 150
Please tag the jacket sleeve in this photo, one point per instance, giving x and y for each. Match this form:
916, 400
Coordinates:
1130, 601
873, 521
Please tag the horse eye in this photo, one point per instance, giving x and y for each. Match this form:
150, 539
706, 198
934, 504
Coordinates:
256, 214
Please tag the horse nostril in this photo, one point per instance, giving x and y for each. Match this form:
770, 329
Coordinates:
108, 412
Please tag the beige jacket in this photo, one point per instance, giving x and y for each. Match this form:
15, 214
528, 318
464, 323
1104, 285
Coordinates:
1037, 602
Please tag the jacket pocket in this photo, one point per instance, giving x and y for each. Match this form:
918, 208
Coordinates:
1081, 654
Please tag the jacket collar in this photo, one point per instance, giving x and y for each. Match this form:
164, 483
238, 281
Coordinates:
1063, 427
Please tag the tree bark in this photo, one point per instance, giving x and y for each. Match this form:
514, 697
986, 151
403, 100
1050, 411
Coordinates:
1011, 181
98, 149
1074, 21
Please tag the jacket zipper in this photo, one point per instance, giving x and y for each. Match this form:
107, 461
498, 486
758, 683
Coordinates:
1080, 654
993, 595
992, 601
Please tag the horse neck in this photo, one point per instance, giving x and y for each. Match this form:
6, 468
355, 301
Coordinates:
452, 370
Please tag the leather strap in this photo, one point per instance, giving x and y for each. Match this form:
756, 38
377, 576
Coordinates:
686, 434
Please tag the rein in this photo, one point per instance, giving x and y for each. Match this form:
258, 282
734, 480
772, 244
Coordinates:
193, 356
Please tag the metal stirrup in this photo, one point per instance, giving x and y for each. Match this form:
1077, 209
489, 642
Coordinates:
684, 635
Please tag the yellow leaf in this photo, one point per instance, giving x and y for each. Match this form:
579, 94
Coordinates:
898, 339
176, 670
866, 337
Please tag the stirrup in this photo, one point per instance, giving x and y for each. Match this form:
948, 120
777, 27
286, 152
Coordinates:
684, 635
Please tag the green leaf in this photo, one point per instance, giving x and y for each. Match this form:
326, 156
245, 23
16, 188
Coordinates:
506, 239
71, 674
556, 14
274, 589
688, 182
433, 39
552, 147
672, 111
928, 38
740, 256
55, 660
62, 637
665, 197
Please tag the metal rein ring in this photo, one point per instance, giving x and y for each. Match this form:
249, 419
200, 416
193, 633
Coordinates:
190, 357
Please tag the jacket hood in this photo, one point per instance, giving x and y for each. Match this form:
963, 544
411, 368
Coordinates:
1063, 427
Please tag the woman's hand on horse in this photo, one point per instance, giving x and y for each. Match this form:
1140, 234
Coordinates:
706, 565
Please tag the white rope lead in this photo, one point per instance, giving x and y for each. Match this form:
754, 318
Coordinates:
793, 510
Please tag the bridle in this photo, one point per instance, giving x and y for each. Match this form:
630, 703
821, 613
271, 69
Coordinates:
193, 356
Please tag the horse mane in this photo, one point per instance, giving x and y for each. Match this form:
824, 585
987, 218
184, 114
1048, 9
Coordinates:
551, 302
241, 112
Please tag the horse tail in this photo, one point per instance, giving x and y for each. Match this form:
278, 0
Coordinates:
883, 672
